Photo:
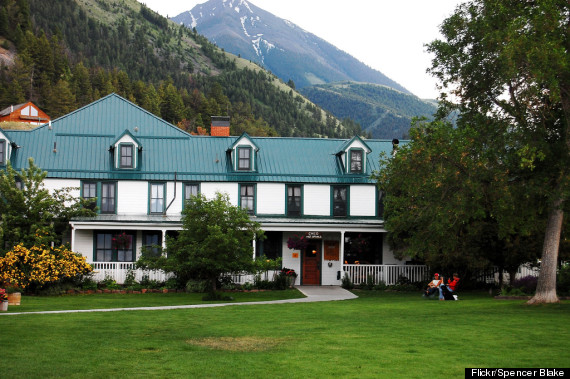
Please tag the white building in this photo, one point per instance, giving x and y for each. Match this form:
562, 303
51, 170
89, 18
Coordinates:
141, 170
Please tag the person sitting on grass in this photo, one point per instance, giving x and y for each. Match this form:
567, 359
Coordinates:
433, 285
451, 284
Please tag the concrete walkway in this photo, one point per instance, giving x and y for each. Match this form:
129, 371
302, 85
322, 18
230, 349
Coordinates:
312, 293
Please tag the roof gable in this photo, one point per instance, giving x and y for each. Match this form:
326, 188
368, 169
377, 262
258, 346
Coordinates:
355, 142
127, 137
244, 139
112, 115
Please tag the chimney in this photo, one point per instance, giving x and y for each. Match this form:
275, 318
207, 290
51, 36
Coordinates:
220, 126
395, 144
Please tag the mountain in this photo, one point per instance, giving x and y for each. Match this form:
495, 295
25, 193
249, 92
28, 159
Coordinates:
381, 111
288, 51
63, 54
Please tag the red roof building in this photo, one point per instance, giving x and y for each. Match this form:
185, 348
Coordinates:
26, 112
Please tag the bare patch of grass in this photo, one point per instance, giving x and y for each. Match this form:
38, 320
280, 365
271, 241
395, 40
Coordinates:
246, 343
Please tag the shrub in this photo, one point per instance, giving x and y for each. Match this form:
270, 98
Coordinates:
280, 282
108, 283
563, 280
380, 286
403, 279
527, 284
150, 284
88, 284
196, 286
55, 289
130, 280
346, 282
369, 284
171, 284
33, 268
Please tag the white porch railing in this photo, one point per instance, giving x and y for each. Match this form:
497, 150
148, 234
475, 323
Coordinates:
358, 274
243, 278
388, 274
118, 271
492, 276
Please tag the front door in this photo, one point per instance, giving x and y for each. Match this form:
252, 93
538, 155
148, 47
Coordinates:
312, 264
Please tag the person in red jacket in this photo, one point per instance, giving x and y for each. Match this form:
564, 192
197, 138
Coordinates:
451, 284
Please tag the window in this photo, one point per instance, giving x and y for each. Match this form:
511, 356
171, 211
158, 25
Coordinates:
247, 198
104, 248
89, 191
355, 161
363, 248
152, 242
381, 204
190, 190
2, 152
114, 247
244, 161
293, 201
340, 196
126, 152
108, 192
271, 246
157, 198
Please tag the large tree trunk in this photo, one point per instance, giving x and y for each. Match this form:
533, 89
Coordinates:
546, 286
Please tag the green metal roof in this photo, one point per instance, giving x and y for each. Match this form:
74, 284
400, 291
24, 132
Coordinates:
77, 145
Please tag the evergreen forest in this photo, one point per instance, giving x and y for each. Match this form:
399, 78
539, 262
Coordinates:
382, 111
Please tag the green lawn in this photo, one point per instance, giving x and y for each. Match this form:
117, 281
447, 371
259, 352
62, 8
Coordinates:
386, 335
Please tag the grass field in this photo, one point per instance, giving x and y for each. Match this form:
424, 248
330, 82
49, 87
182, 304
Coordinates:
379, 335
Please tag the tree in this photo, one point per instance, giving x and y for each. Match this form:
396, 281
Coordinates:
31, 215
60, 99
506, 62
171, 105
450, 202
216, 239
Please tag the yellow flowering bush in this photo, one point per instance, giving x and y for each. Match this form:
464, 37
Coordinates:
41, 265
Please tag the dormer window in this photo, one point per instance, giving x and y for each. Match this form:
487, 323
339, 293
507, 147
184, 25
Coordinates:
352, 155
126, 151
244, 154
356, 161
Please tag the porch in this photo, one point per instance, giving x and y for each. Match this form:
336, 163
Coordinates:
388, 274
358, 273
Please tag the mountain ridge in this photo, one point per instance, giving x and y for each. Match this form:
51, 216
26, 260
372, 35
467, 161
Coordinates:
380, 110
287, 50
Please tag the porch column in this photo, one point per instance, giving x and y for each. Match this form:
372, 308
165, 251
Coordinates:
72, 238
253, 244
341, 254
163, 239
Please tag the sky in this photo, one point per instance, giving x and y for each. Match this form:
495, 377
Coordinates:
396, 31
